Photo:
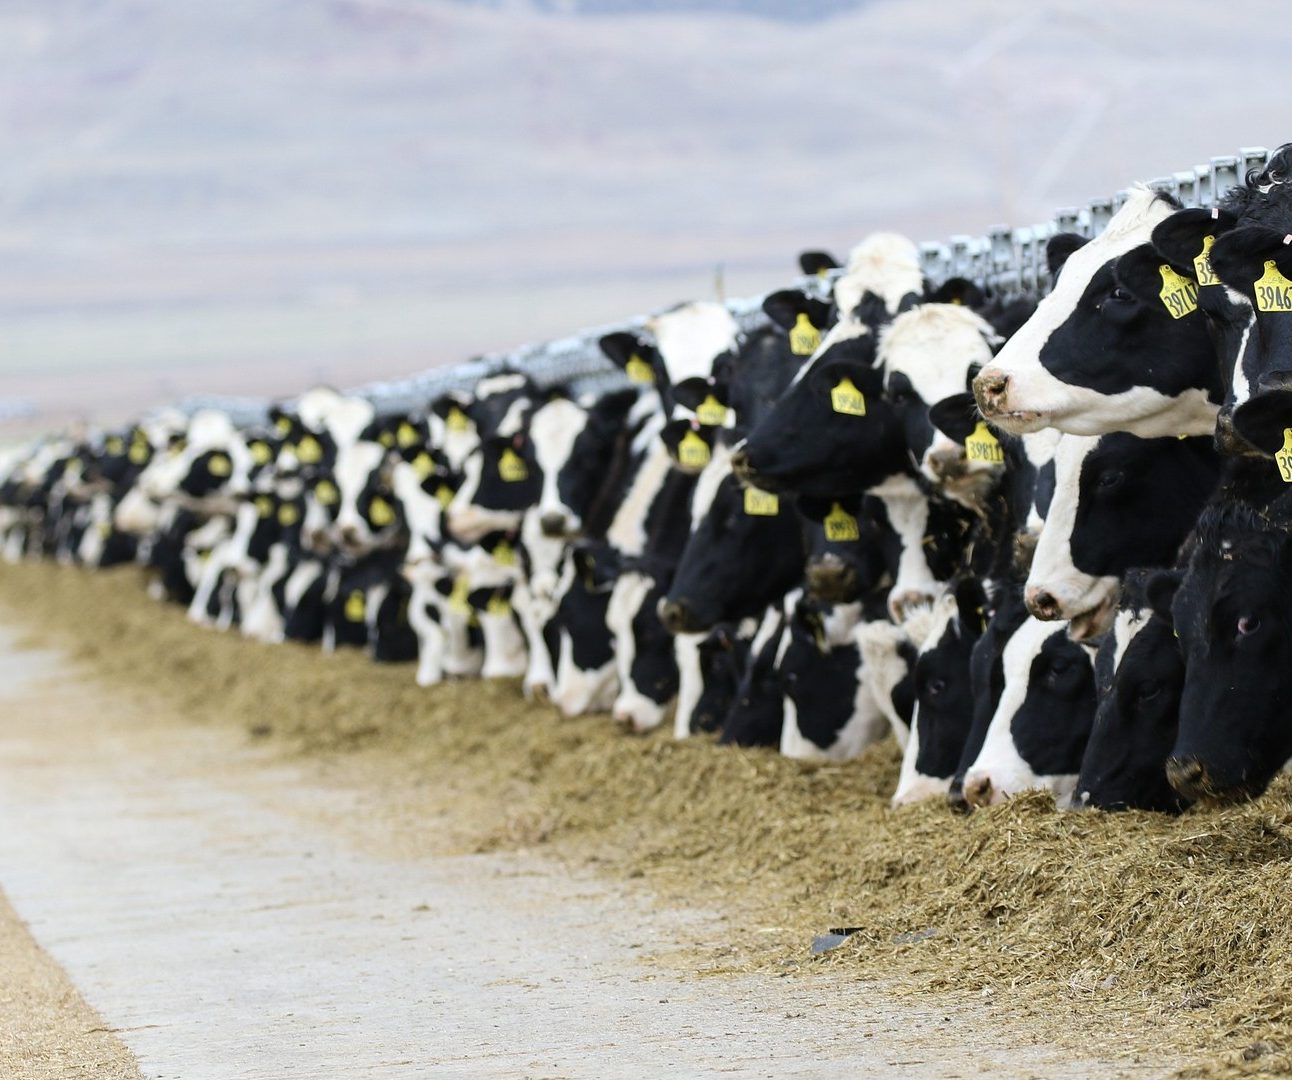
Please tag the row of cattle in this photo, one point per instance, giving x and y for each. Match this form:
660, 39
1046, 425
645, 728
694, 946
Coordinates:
1045, 545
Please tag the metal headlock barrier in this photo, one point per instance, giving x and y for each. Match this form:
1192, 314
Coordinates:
1006, 262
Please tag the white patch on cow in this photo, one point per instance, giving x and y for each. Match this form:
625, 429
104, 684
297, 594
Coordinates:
553, 430
505, 654
907, 508
689, 338
631, 706
1053, 570
1127, 623
534, 616
882, 668
423, 513
627, 530
505, 383
1241, 384
999, 761
844, 330
885, 264
925, 630
513, 420
314, 408
355, 464
261, 619
690, 681
1036, 399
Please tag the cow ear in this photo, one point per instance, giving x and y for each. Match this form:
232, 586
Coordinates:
1239, 257
1160, 591
1182, 238
813, 263
955, 416
445, 404
971, 605
960, 291
1262, 419
558, 392
785, 307
694, 392
689, 443
1143, 273
1059, 247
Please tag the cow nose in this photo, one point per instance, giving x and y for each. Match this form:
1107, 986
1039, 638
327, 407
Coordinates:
956, 799
1187, 775
553, 523
349, 535
740, 463
977, 791
1042, 604
989, 389
1273, 381
946, 463
674, 615
830, 579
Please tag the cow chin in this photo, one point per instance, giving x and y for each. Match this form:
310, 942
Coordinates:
920, 789
1094, 621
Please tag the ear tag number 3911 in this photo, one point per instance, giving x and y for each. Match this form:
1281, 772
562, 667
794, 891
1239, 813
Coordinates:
847, 399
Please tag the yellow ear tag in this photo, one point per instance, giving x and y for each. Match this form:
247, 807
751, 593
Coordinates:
379, 512
444, 495
805, 338
283, 425
114, 445
498, 605
761, 503
511, 467
504, 554
847, 399
1202, 264
1179, 294
841, 525
639, 371
261, 453
458, 601
264, 506
355, 607
72, 463
309, 451
326, 493
105, 529
288, 514
1284, 457
139, 453
983, 446
407, 435
1273, 290
423, 465
692, 451
386, 439
457, 420
219, 465
711, 412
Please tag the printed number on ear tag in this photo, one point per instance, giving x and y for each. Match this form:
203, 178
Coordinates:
805, 338
423, 465
219, 465
1284, 457
711, 412
261, 453
444, 495
457, 420
841, 525
326, 493
355, 606
380, 512
1202, 264
761, 503
288, 514
983, 446
692, 451
264, 506
639, 371
1179, 294
1273, 290
847, 399
511, 467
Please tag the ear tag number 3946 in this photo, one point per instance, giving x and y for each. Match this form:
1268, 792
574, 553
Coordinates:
847, 399
1273, 290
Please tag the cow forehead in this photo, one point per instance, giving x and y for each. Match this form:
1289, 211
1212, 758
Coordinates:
885, 264
691, 336
553, 429
934, 345
348, 418
355, 463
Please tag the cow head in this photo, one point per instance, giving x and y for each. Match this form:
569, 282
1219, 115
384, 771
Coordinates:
1118, 345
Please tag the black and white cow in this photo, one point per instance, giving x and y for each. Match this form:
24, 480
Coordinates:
1118, 345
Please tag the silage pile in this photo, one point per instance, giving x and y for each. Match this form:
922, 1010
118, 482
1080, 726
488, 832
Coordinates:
1166, 933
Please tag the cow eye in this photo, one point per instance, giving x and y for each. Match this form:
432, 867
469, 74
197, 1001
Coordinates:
1146, 691
1110, 480
1247, 625
1122, 296
936, 686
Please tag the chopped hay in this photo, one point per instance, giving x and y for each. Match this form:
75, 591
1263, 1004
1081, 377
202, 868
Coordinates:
1157, 936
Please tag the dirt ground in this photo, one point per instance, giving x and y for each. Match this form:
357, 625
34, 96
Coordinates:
710, 868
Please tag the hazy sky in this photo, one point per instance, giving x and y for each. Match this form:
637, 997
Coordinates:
254, 195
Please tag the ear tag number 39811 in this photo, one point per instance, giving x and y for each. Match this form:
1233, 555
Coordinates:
1284, 457
983, 446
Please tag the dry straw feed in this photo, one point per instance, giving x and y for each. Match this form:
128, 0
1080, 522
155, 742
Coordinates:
1161, 936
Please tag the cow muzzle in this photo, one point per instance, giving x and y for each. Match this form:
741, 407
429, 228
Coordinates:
1042, 604
678, 618
831, 580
